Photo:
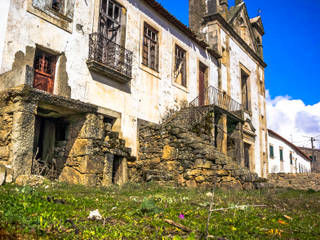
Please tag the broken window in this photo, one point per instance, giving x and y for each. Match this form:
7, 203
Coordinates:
180, 70
150, 54
110, 20
57, 5
245, 91
44, 70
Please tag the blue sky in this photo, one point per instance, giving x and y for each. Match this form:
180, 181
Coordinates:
291, 44
292, 52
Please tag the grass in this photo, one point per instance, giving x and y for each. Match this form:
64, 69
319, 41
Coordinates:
60, 211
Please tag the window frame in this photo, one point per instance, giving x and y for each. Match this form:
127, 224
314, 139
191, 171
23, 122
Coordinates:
184, 81
271, 155
116, 22
146, 42
281, 154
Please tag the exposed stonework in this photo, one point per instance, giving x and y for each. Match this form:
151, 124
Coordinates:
79, 158
295, 181
171, 152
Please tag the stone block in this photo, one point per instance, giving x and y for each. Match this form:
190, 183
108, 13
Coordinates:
30, 180
191, 184
200, 179
4, 152
172, 165
81, 147
4, 134
222, 173
2, 174
73, 176
168, 152
87, 164
9, 175
194, 172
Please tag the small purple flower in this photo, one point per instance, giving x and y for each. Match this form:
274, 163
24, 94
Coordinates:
181, 216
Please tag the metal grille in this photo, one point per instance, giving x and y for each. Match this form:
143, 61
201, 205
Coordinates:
220, 99
112, 55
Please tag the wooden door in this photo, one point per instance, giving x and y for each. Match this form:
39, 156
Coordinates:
202, 87
44, 68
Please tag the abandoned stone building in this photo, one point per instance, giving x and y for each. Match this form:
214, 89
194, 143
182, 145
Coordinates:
108, 91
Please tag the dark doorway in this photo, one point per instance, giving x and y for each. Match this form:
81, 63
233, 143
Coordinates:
247, 155
202, 84
49, 132
116, 170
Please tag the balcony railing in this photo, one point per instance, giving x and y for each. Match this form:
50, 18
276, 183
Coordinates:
220, 99
110, 55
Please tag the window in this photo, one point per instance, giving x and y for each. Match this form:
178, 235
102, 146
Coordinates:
150, 55
44, 70
271, 151
245, 90
180, 68
291, 159
57, 5
110, 20
281, 154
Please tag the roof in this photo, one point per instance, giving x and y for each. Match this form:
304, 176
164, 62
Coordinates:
290, 144
183, 28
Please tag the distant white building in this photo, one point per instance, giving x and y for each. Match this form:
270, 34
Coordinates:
285, 157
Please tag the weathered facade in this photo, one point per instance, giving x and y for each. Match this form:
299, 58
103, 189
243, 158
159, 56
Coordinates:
77, 77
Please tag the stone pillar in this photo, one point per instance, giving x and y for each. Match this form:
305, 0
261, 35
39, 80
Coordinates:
107, 170
23, 138
222, 134
239, 145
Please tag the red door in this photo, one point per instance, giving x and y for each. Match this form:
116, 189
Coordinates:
202, 70
44, 68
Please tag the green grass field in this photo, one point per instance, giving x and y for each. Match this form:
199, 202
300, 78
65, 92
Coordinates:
59, 211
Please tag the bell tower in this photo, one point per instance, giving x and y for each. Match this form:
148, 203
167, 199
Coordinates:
200, 8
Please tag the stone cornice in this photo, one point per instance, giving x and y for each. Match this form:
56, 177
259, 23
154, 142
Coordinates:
235, 35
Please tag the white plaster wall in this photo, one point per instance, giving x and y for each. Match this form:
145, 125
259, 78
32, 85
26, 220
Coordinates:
274, 163
4, 11
146, 96
239, 56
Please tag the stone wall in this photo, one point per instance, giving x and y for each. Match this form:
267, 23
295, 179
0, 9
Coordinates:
172, 153
87, 154
295, 181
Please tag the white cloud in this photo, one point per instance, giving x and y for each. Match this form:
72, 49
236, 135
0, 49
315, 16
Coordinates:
293, 119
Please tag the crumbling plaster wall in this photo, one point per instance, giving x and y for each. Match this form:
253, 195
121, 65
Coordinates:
231, 82
4, 6
147, 96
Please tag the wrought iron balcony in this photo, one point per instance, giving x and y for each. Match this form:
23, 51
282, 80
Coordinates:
109, 58
220, 99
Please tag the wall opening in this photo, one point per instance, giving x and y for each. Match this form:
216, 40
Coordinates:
49, 146
247, 155
117, 170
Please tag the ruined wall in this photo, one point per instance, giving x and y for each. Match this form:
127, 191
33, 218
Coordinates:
172, 153
295, 181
